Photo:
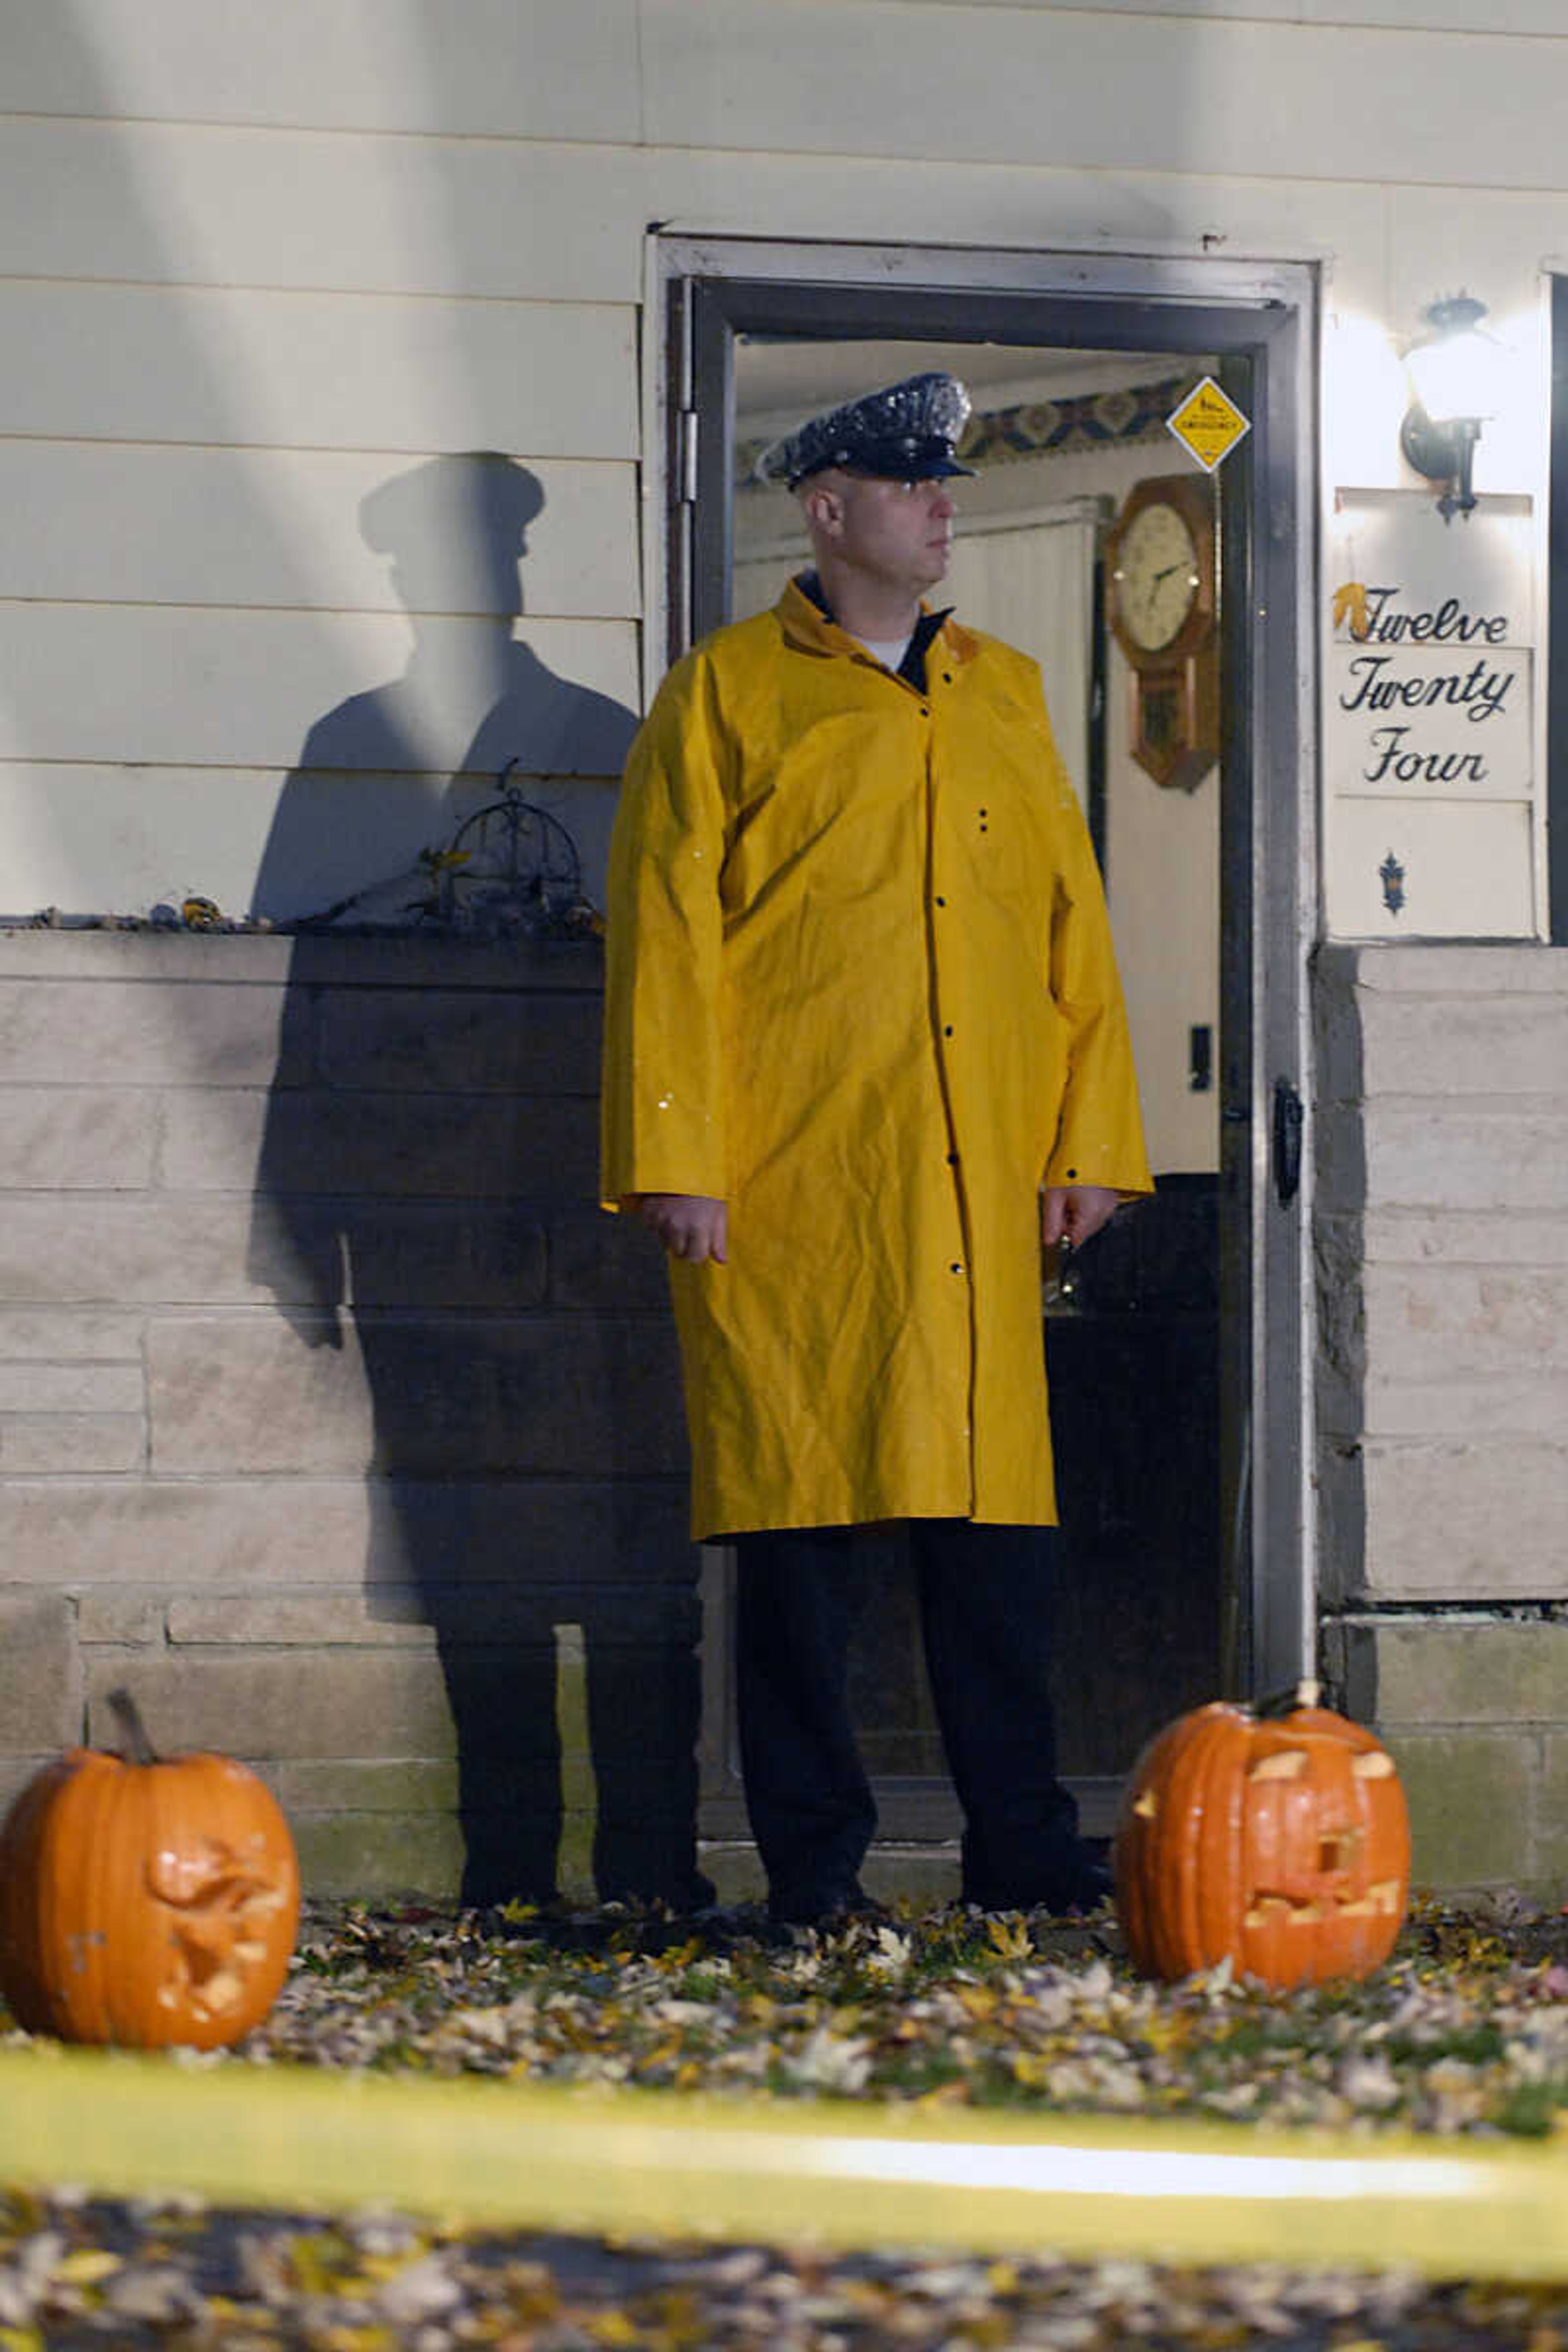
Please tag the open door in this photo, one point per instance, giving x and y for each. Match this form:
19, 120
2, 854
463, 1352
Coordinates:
1177, 1346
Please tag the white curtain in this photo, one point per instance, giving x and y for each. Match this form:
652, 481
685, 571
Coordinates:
1027, 577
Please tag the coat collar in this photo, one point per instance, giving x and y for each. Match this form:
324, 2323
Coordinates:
806, 622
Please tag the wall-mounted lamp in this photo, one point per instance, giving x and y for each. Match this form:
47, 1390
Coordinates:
1453, 371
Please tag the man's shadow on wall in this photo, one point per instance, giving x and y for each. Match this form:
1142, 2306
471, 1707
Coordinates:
421, 1144
392, 772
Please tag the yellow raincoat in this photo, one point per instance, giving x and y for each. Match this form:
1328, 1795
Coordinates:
861, 986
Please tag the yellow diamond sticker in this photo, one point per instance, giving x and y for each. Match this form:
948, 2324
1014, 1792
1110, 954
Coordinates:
1208, 423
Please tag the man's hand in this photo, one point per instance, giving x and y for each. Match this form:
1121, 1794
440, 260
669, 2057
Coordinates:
1072, 1212
690, 1224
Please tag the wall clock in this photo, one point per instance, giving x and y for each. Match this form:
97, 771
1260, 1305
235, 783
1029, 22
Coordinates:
1161, 596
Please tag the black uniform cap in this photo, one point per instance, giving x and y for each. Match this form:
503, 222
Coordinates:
908, 432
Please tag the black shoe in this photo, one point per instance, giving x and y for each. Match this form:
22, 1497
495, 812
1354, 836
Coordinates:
1082, 1885
1093, 1883
827, 1915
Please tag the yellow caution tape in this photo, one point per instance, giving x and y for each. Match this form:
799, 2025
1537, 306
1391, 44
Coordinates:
490, 2153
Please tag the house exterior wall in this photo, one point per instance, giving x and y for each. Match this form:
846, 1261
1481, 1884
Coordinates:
1442, 1087
248, 281
335, 1420
238, 292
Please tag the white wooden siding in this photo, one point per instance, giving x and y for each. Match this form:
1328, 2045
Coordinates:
193, 609
317, 371
1347, 88
101, 522
202, 688
205, 207
1402, 15
505, 68
1028, 85
250, 265
99, 840
196, 204
94, 840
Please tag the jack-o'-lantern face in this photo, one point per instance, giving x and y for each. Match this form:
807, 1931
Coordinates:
146, 1902
227, 1911
1284, 1844
1308, 1837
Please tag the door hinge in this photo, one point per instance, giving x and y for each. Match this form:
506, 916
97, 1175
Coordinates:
686, 456
1289, 1119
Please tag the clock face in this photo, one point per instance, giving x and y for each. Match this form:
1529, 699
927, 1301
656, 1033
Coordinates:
1157, 576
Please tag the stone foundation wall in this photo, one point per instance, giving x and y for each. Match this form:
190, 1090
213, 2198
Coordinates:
335, 1418
1441, 1230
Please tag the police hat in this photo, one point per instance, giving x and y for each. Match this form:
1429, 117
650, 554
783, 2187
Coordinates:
908, 432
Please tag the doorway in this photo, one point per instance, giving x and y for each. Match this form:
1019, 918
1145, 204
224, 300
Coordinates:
1177, 1347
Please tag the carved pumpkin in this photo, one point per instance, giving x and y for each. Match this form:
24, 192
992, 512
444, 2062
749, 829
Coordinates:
145, 1901
1281, 1842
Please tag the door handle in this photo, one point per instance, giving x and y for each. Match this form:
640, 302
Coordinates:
1289, 1117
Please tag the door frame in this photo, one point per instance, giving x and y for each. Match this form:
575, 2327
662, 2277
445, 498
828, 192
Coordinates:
1556, 809
1261, 319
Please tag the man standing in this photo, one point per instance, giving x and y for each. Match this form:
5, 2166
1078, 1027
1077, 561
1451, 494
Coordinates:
864, 1044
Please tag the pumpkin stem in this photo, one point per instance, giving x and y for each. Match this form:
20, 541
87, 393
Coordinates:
1285, 1702
132, 1730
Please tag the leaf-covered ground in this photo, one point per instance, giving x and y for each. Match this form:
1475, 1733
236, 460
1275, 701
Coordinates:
80, 2276
1465, 2031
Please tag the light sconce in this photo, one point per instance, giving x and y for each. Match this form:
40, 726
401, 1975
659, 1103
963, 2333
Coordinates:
1453, 372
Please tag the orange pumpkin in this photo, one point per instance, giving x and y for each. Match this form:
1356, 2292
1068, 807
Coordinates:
145, 1901
1279, 1843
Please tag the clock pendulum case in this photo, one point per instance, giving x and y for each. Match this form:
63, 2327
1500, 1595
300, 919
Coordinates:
1162, 604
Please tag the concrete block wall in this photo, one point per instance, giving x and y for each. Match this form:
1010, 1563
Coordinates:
335, 1418
1442, 1261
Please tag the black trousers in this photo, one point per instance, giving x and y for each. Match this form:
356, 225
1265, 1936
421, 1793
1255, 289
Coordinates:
986, 1598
